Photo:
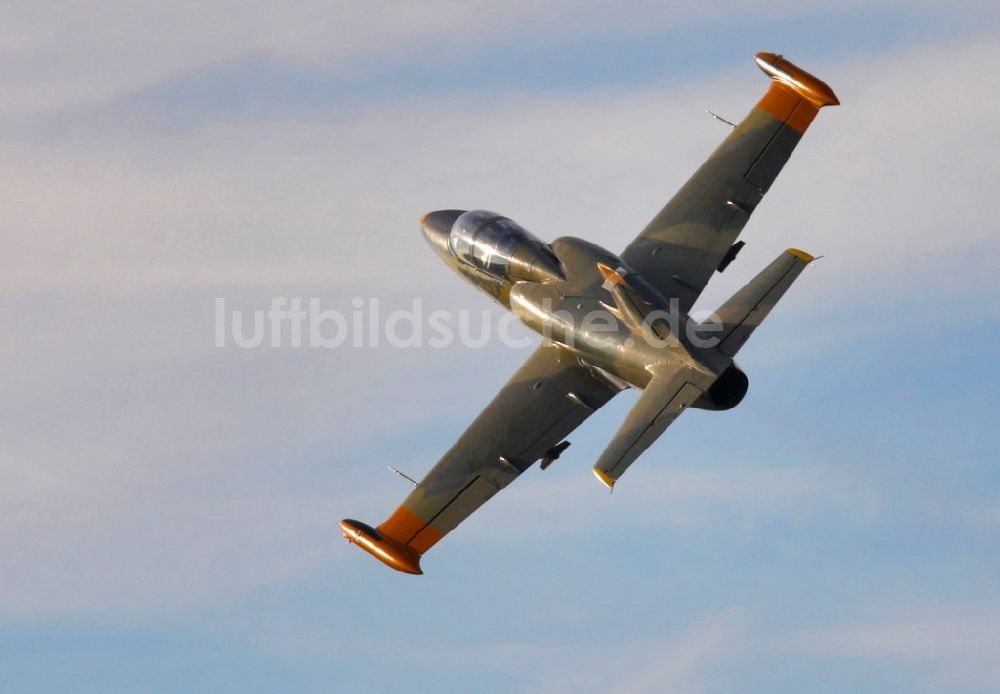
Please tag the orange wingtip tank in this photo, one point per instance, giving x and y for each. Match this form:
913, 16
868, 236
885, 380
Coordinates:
385, 549
809, 87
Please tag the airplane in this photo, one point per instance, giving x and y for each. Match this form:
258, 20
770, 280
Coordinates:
609, 322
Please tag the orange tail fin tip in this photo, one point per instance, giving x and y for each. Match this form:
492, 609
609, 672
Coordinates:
610, 275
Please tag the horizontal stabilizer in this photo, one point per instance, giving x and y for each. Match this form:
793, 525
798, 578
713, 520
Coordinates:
667, 395
748, 307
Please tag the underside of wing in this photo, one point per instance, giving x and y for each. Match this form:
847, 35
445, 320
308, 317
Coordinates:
548, 397
686, 242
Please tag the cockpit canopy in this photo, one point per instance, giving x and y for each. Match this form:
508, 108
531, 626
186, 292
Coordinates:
502, 247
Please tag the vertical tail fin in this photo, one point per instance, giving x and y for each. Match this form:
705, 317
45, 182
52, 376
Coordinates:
748, 307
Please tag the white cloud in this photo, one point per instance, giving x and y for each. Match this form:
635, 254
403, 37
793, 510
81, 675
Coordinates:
119, 393
676, 662
286, 199
958, 644
73, 54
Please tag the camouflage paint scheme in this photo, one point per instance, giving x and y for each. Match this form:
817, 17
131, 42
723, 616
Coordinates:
558, 289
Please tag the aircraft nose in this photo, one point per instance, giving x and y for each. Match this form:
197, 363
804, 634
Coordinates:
437, 225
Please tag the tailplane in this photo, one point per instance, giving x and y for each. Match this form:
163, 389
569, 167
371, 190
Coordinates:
669, 392
748, 307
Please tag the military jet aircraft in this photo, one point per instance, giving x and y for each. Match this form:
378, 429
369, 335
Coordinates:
609, 322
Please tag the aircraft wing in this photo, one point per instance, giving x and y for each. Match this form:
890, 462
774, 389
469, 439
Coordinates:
545, 400
686, 242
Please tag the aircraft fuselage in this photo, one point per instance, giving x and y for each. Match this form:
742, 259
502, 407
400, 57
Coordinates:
548, 302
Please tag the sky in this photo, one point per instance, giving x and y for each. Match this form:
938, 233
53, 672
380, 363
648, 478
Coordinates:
169, 507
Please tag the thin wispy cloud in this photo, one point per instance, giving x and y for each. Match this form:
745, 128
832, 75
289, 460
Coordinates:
158, 159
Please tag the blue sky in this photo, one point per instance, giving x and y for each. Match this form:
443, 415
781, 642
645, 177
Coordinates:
169, 511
